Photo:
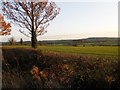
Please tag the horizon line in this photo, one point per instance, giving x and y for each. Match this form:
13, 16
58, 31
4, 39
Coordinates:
67, 39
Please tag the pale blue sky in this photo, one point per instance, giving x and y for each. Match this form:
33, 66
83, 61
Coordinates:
79, 20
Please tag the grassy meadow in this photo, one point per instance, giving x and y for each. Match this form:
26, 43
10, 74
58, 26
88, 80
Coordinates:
87, 50
91, 50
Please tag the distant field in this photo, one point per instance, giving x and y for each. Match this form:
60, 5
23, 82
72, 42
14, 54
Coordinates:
90, 50
96, 50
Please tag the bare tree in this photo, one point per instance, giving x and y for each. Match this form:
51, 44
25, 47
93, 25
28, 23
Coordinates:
32, 17
21, 41
5, 28
12, 40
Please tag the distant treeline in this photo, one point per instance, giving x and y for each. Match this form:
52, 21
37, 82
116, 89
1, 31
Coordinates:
100, 41
87, 41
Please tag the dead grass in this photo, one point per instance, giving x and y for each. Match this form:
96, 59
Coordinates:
60, 70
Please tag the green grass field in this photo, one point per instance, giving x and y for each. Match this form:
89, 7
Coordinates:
90, 50
96, 50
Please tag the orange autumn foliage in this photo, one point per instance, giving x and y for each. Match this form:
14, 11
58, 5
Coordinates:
36, 74
5, 28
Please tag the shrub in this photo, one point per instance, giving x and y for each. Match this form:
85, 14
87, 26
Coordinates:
33, 68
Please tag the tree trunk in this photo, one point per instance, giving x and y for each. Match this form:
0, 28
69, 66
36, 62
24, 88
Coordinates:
34, 36
34, 40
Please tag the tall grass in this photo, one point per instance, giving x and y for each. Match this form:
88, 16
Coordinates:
61, 70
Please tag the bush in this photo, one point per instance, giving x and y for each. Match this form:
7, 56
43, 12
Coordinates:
57, 70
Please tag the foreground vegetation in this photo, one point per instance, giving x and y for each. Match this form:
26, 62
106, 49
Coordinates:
30, 68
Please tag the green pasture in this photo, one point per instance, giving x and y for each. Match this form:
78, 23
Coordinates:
92, 50
95, 50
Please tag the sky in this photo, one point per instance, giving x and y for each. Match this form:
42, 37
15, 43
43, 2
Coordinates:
80, 19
